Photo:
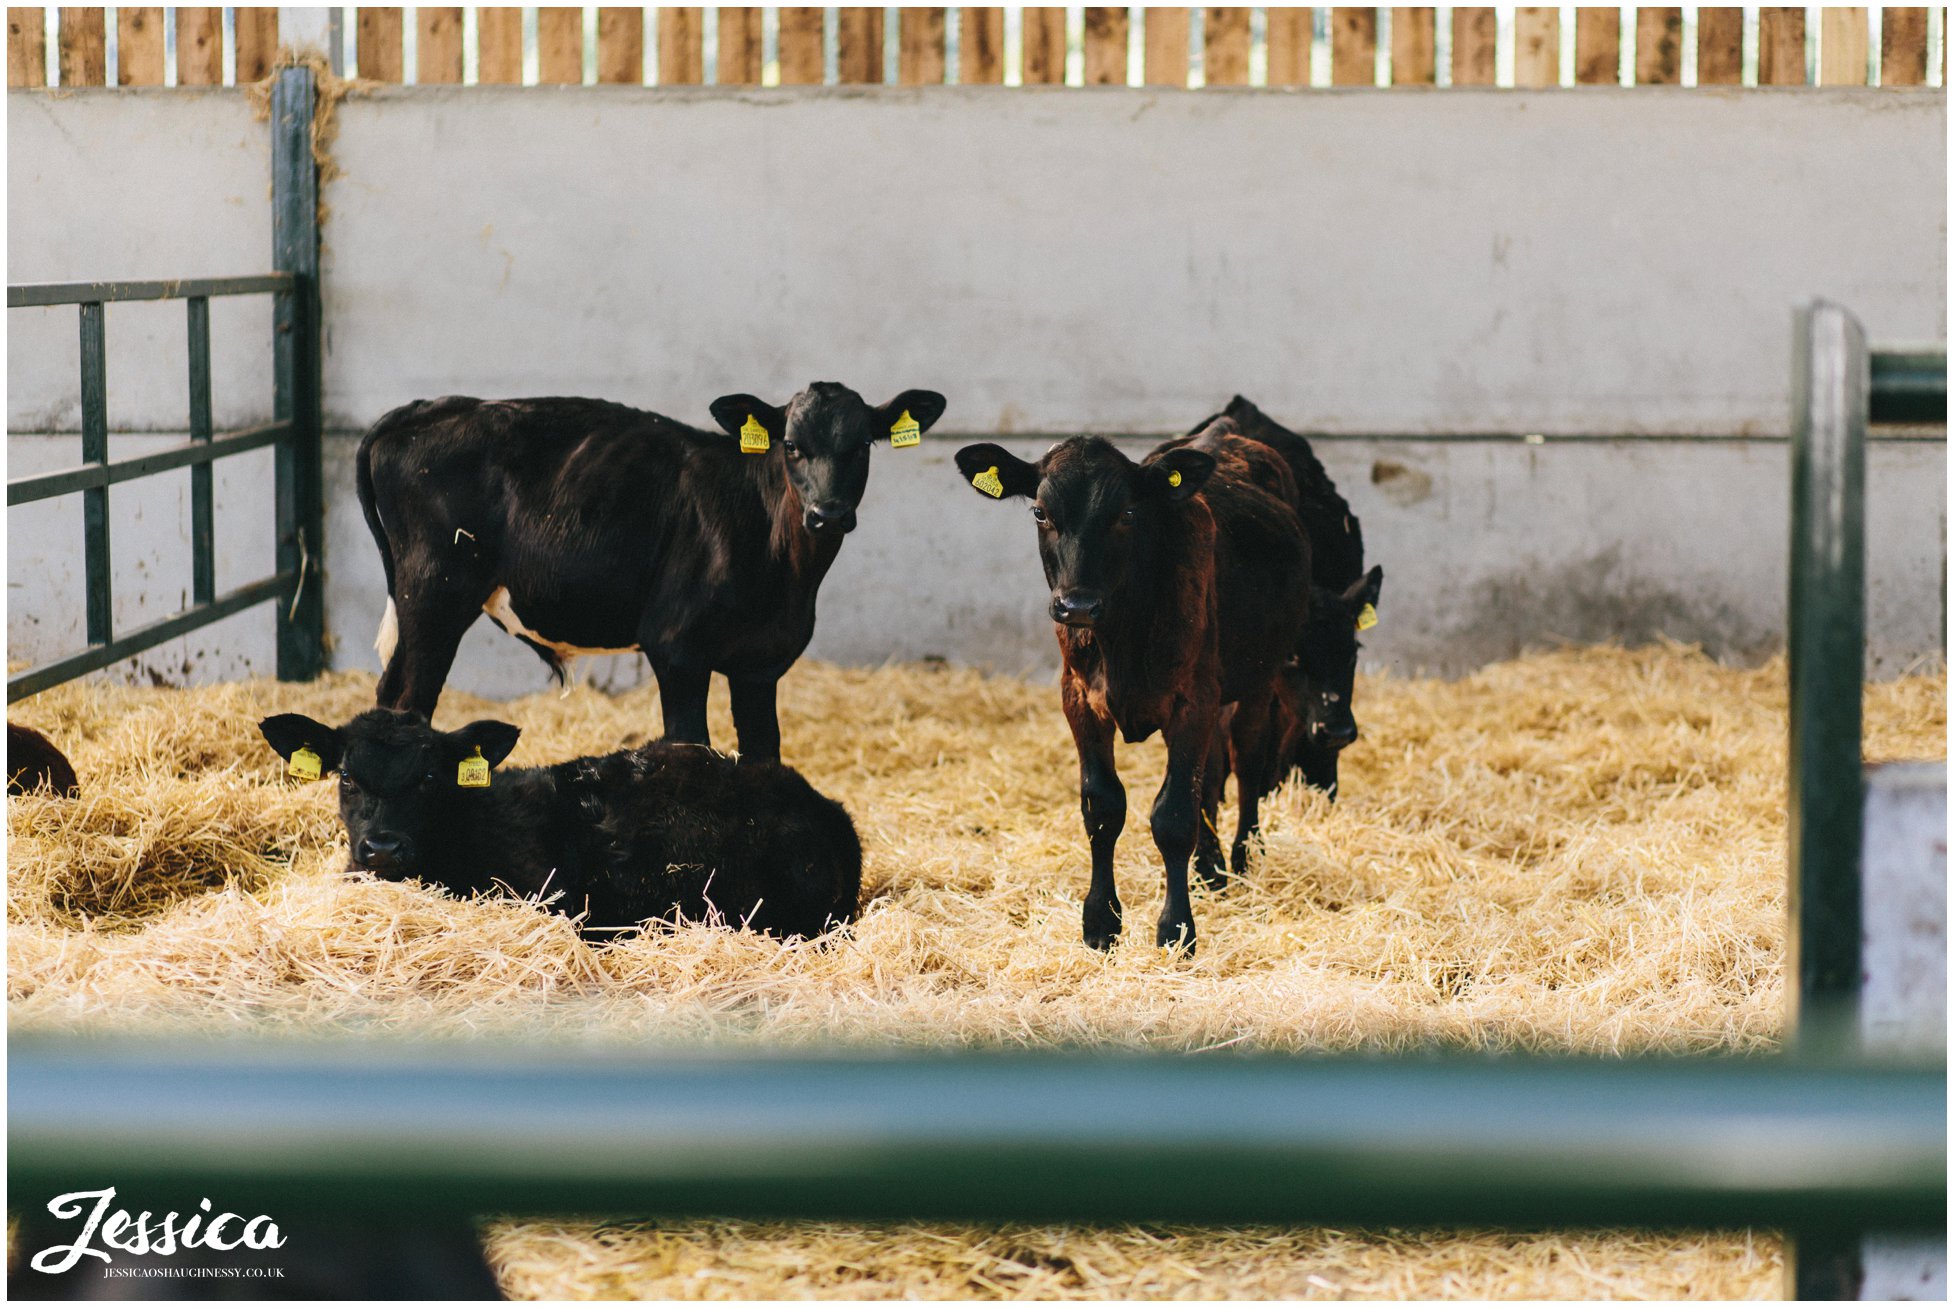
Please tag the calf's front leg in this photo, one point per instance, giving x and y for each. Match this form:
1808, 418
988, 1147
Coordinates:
682, 700
1176, 813
1102, 802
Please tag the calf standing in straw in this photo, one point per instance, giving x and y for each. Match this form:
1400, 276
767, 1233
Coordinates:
619, 839
1179, 585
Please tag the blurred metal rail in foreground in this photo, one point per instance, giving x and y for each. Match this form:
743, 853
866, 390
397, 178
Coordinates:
1713, 1142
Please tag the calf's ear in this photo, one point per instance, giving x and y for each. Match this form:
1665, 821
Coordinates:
494, 739
996, 472
733, 412
288, 733
923, 407
1179, 473
1366, 588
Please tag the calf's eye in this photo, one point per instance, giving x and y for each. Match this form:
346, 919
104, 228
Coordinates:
1038, 514
1126, 514
793, 450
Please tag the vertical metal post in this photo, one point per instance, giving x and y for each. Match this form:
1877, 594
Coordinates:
203, 567
295, 249
1827, 657
95, 449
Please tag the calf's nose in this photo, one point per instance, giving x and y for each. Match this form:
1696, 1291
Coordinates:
834, 517
1077, 610
1339, 734
379, 852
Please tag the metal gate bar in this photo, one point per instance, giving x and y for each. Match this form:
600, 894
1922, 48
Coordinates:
370, 1126
295, 434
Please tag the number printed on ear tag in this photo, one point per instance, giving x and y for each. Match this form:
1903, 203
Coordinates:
987, 482
907, 431
304, 764
753, 440
1366, 617
473, 772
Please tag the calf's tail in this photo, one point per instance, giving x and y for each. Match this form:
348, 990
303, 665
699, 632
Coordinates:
389, 633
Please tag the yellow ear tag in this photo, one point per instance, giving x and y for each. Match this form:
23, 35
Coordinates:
907, 431
987, 482
1173, 478
304, 765
753, 440
473, 772
1366, 618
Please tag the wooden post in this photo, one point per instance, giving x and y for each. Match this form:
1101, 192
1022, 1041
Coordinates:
1781, 46
83, 56
498, 34
741, 46
920, 46
27, 47
378, 41
1042, 46
1658, 46
858, 45
1720, 45
1225, 41
621, 47
801, 55
980, 46
1598, 47
200, 46
139, 46
1902, 47
1108, 38
1475, 46
682, 46
559, 46
1536, 46
256, 32
1414, 47
1353, 47
1289, 37
1842, 46
1166, 39
437, 46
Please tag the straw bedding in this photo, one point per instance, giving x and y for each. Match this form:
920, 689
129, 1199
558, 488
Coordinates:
1574, 850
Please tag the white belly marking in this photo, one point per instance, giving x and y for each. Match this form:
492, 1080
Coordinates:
499, 608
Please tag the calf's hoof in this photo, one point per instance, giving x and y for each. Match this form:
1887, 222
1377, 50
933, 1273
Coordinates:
1102, 925
1177, 936
1214, 875
1238, 857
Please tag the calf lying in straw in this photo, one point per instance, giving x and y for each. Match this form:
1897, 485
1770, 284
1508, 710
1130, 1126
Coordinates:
654, 832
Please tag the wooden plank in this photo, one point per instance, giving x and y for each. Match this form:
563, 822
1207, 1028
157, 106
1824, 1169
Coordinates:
1414, 47
437, 46
1166, 40
255, 35
1289, 32
498, 33
1598, 47
1225, 42
83, 54
138, 46
1475, 46
1903, 47
1353, 47
200, 46
379, 44
559, 46
801, 33
980, 46
1719, 45
682, 46
1536, 46
858, 45
621, 47
1781, 46
1658, 46
1042, 46
1108, 39
742, 51
27, 47
920, 59
1843, 45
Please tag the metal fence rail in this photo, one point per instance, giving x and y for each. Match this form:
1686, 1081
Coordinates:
1712, 1142
294, 434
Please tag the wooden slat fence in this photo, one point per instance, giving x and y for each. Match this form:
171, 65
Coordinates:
1015, 45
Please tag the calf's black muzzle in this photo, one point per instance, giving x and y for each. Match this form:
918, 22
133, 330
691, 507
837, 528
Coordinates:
831, 518
381, 853
1077, 610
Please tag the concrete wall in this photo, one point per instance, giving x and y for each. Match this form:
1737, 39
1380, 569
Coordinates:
1592, 263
